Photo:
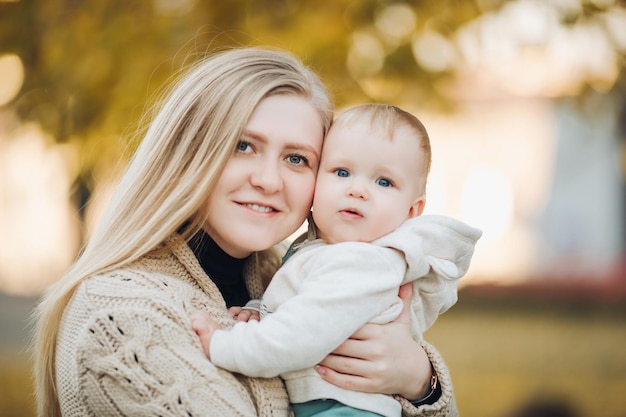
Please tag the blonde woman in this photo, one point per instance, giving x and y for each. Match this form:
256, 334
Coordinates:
225, 173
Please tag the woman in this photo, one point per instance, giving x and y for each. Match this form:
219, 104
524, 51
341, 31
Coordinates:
225, 172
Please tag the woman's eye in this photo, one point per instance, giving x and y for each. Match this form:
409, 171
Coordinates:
296, 159
384, 182
342, 173
243, 146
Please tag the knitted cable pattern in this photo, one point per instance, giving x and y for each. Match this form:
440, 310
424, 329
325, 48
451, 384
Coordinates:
136, 355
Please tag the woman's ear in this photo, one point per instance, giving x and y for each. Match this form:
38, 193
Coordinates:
418, 207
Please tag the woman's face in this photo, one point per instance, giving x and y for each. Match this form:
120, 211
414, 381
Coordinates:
266, 189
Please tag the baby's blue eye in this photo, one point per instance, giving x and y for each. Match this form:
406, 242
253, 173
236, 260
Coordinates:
342, 173
384, 182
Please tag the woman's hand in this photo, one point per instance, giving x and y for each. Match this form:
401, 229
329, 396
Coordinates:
381, 358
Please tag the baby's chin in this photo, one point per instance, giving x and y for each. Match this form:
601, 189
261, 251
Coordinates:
357, 237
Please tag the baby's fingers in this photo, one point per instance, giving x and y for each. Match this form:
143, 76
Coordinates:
204, 326
247, 315
234, 311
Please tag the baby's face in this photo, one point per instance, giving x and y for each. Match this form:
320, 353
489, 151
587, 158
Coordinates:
367, 185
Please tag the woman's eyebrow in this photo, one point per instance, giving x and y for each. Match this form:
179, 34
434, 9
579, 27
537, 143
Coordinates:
303, 147
293, 145
254, 135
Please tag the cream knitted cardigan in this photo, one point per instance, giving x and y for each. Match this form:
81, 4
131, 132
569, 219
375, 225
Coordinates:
126, 348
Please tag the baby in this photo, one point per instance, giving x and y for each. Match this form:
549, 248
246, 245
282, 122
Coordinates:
366, 238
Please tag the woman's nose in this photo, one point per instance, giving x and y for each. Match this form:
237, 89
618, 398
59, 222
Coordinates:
266, 176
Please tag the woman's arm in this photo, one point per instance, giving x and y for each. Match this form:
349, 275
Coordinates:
385, 359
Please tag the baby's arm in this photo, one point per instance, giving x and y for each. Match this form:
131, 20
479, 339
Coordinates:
438, 251
334, 301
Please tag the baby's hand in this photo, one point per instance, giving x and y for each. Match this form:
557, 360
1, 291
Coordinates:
244, 314
204, 326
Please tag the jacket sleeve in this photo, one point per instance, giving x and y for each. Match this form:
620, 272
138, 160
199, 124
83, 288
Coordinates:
344, 288
438, 251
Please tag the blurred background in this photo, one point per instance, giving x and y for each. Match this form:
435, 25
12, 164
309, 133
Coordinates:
525, 104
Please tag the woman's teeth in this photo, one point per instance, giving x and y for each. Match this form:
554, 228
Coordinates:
262, 209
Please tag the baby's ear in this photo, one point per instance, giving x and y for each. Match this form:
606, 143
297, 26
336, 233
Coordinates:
418, 207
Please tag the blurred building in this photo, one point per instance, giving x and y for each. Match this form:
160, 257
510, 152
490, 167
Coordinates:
543, 177
581, 229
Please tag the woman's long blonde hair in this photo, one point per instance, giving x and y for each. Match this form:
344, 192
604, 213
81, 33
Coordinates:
171, 175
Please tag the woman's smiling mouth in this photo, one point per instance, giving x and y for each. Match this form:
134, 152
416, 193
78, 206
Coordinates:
259, 208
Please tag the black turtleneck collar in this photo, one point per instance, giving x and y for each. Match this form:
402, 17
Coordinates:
224, 270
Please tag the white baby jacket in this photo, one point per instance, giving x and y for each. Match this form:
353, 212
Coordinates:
325, 292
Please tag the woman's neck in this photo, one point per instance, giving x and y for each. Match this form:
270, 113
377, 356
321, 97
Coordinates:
224, 270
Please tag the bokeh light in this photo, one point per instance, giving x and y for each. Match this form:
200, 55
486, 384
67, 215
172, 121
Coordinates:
11, 77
